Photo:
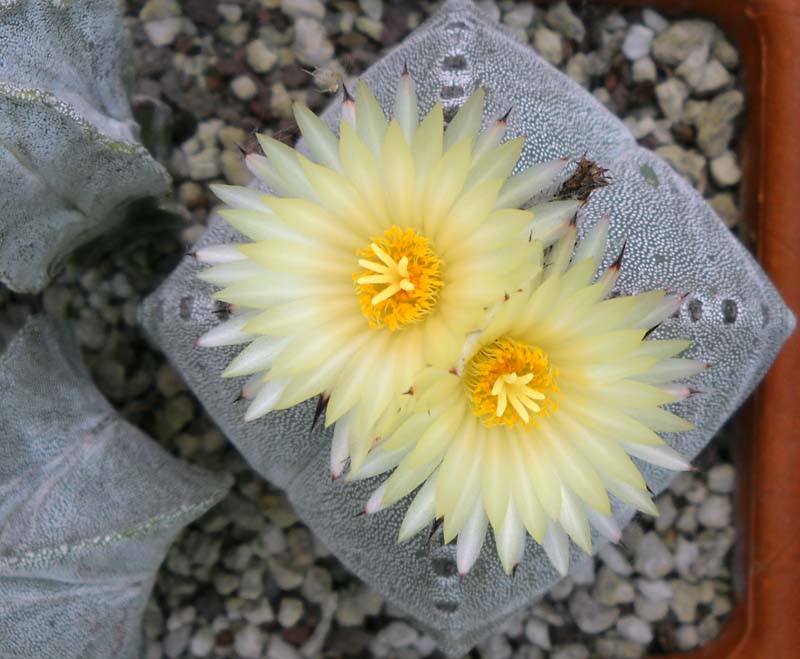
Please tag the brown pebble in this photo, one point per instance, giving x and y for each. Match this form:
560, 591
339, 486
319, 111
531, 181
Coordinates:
296, 635
261, 106
215, 82
293, 75
224, 638
684, 134
184, 43
202, 12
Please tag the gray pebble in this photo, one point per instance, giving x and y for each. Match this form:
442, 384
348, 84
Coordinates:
578, 69
713, 77
527, 652
163, 32
284, 574
311, 44
313, 8
725, 206
548, 44
715, 512
613, 557
252, 584
280, 649
653, 559
610, 589
686, 162
721, 478
637, 42
546, 612
244, 88
675, 43
230, 12
538, 633
726, 54
317, 585
644, 70
686, 637
233, 168
563, 20
273, 540
654, 20
681, 483
398, 634
655, 589
725, 169
590, 616
685, 598
290, 612
176, 641
570, 651
202, 642
234, 33
667, 513
715, 124
650, 610
634, 629
721, 605
707, 629
671, 95
258, 613
259, 56
687, 520
617, 648
204, 165
582, 572
225, 583
249, 642
495, 647
686, 553
561, 590
520, 16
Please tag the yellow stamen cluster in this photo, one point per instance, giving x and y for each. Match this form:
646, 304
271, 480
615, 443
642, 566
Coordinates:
400, 281
510, 383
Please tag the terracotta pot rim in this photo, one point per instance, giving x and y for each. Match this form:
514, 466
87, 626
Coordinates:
764, 622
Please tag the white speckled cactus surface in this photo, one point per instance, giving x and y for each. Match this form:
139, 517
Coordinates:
70, 163
734, 319
89, 506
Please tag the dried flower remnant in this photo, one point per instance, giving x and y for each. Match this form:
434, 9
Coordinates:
373, 259
587, 177
538, 420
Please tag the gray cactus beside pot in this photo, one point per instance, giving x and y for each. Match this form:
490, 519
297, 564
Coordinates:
70, 163
89, 506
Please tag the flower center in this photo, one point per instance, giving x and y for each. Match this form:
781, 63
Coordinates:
400, 280
510, 383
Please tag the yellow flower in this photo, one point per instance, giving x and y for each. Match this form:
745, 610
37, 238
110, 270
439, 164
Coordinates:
374, 259
536, 422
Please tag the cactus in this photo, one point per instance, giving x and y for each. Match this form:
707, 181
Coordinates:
70, 164
734, 318
88, 506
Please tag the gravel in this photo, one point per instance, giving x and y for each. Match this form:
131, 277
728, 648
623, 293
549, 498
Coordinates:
248, 579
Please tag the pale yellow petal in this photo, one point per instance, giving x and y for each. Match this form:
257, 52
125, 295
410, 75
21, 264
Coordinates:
427, 144
398, 176
320, 139
467, 122
444, 186
370, 120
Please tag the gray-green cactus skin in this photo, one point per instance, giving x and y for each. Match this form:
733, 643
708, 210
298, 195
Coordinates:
69, 160
735, 319
89, 506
